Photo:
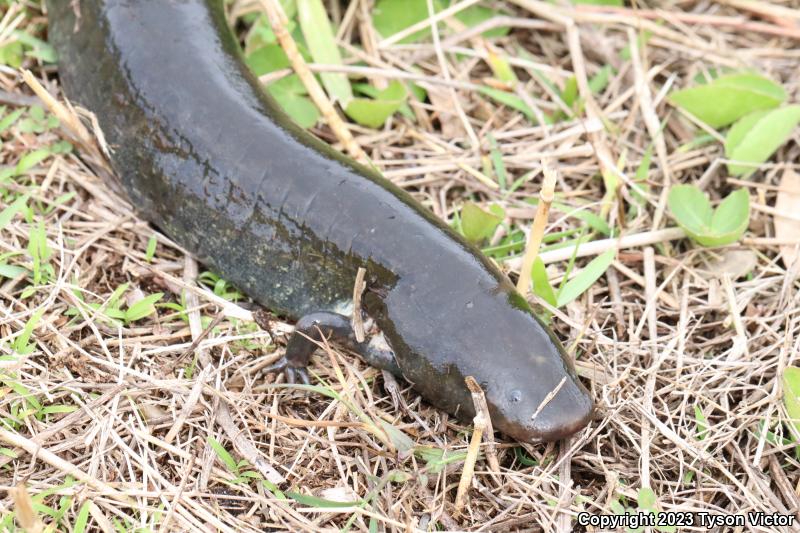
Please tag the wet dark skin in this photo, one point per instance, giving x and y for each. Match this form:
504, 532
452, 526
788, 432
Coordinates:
208, 157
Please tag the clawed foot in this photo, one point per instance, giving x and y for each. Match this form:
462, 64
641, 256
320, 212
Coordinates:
293, 374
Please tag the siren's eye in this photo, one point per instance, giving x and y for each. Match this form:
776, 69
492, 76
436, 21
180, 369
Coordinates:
515, 396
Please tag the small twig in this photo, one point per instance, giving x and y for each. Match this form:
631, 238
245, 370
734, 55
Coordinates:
740, 24
650, 296
565, 484
18, 99
177, 498
537, 229
480, 422
297, 422
278, 21
422, 24
479, 401
243, 445
639, 280
390, 73
358, 290
547, 399
740, 340
651, 122
188, 407
437, 45
463, 166
650, 292
68, 119
195, 343
602, 245
27, 517
74, 129
780, 15
37, 452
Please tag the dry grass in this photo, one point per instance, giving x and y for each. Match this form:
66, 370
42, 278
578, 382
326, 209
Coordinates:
117, 420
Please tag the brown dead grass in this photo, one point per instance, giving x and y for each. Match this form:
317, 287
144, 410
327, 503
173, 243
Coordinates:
661, 335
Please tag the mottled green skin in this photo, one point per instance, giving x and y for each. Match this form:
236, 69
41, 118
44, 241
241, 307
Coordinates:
208, 157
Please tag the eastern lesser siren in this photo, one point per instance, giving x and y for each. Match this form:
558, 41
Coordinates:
207, 156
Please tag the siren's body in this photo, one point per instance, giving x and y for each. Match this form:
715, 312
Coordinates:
205, 155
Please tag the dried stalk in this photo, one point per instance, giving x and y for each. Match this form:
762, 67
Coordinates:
536, 234
278, 20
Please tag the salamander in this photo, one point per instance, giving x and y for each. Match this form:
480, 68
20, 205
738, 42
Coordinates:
206, 155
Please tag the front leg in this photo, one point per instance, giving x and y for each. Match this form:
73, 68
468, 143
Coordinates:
333, 326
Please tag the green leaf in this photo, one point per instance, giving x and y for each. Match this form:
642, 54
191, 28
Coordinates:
589, 218
436, 458
322, 44
30, 160
61, 147
643, 170
8, 452
266, 59
24, 393
401, 442
474, 15
585, 278
392, 16
600, 80
691, 209
428, 453
541, 282
260, 33
12, 54
40, 49
143, 307
497, 162
21, 344
757, 136
62, 199
10, 119
570, 93
289, 91
150, 252
729, 98
58, 409
791, 395
113, 300
11, 271
742, 127
374, 112
300, 108
732, 215
477, 224
701, 423
706, 226
617, 507
314, 501
511, 100
501, 68
646, 498
39, 251
82, 520
223, 454
17, 206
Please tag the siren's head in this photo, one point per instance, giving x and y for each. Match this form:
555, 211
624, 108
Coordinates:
490, 333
